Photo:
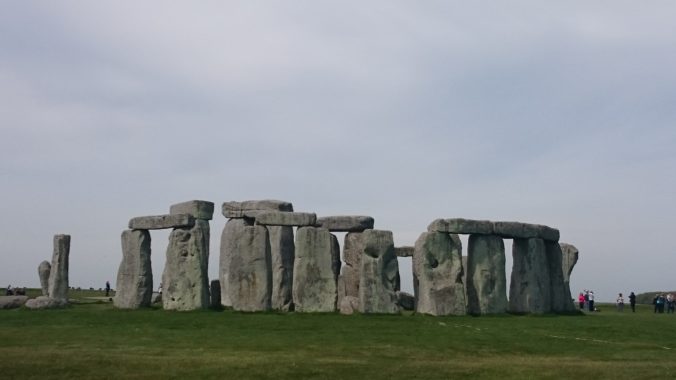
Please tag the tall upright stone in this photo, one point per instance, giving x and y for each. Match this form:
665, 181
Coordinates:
315, 271
570, 255
234, 228
530, 286
352, 252
43, 271
560, 291
282, 255
185, 279
486, 281
437, 264
379, 274
250, 275
58, 275
134, 287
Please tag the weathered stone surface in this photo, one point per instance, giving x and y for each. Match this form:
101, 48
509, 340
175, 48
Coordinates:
135, 276
198, 209
43, 302
215, 294
405, 251
549, 233
58, 275
560, 291
516, 230
250, 274
240, 209
315, 270
346, 223
232, 232
274, 218
43, 271
12, 302
464, 273
158, 222
349, 305
156, 298
185, 279
282, 254
530, 286
379, 273
406, 301
437, 264
461, 226
486, 282
569, 259
352, 252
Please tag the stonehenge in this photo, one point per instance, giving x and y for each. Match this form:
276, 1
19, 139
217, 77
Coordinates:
316, 268
379, 274
54, 277
486, 282
135, 275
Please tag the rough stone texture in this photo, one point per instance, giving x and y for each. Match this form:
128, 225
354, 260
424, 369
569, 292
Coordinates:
464, 273
516, 230
486, 282
346, 223
530, 286
282, 254
198, 209
549, 233
185, 280
406, 300
43, 302
352, 251
158, 222
406, 251
12, 302
134, 287
43, 271
461, 226
240, 209
560, 291
233, 230
156, 298
215, 294
58, 275
379, 274
348, 305
275, 218
437, 264
315, 270
250, 274
569, 259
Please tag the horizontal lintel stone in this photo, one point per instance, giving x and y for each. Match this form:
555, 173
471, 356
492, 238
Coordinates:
405, 251
158, 222
198, 209
238, 209
461, 226
346, 223
276, 218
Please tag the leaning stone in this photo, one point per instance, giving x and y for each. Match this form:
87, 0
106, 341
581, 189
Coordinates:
198, 209
346, 223
58, 275
406, 251
250, 275
569, 259
12, 302
437, 264
158, 222
530, 286
274, 218
560, 291
233, 230
185, 279
43, 302
239, 209
349, 305
352, 251
379, 273
461, 226
486, 281
43, 271
135, 276
406, 301
215, 294
315, 270
282, 255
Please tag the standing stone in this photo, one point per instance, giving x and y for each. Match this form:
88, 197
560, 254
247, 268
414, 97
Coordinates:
560, 291
185, 279
282, 255
530, 286
250, 275
234, 228
215, 294
135, 277
315, 270
352, 252
58, 275
570, 255
486, 282
379, 274
43, 271
437, 263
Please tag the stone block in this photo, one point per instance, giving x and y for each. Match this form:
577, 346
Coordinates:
250, 274
215, 294
461, 226
315, 271
346, 223
240, 209
352, 252
379, 273
560, 290
282, 251
43, 271
134, 287
12, 302
570, 255
486, 281
43, 302
405, 251
58, 275
530, 285
232, 232
158, 222
198, 209
274, 218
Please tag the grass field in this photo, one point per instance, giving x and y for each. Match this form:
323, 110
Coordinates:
93, 340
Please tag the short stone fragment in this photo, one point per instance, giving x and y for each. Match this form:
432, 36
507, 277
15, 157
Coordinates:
198, 209
530, 285
134, 287
346, 223
43, 302
349, 305
282, 256
438, 272
239, 209
215, 294
43, 271
315, 271
461, 226
250, 274
12, 302
158, 222
274, 218
58, 275
405, 251
379, 273
486, 280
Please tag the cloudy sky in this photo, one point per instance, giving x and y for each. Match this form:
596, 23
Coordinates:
559, 114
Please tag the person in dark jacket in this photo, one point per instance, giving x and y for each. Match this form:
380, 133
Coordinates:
632, 302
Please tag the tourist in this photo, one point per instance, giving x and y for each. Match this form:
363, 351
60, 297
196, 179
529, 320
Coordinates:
620, 303
591, 300
107, 288
9, 291
670, 303
580, 300
632, 302
659, 303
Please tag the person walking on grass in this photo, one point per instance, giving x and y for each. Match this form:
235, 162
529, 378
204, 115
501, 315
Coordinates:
670, 303
591, 300
632, 302
620, 303
580, 300
107, 288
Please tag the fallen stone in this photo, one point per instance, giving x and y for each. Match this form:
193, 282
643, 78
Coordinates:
315, 271
486, 280
349, 305
352, 251
12, 302
560, 291
43, 302
406, 301
346, 223
437, 265
215, 294
240, 209
234, 228
461, 226
158, 222
185, 279
58, 274
406, 251
250, 274
379, 273
282, 255
43, 271
275, 218
569, 259
134, 287
530, 285
198, 209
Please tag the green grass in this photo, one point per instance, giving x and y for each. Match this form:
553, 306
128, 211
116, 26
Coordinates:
97, 341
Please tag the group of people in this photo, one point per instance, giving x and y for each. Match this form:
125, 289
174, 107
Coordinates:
586, 298
620, 302
660, 301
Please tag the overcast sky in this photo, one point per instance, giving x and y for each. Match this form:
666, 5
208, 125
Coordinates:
558, 114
